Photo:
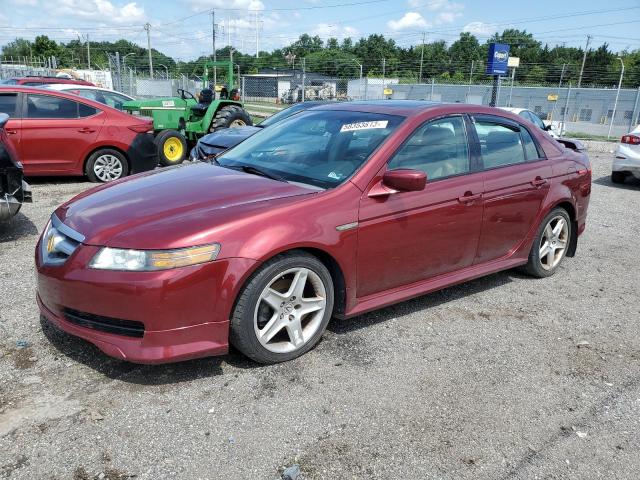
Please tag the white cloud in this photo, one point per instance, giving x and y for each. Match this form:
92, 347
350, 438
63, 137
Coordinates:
99, 11
252, 5
438, 11
409, 20
326, 30
479, 28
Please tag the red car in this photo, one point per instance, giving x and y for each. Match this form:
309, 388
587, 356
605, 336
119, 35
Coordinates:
57, 133
336, 211
35, 81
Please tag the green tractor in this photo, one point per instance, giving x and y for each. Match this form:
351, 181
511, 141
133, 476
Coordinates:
178, 122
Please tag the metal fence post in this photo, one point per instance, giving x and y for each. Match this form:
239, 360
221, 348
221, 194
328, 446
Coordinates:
564, 112
242, 90
633, 113
433, 81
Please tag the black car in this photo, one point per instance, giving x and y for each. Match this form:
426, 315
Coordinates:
223, 139
14, 191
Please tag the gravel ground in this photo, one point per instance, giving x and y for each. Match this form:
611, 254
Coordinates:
502, 377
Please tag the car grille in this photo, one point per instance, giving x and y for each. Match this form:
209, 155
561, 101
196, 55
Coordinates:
127, 328
58, 242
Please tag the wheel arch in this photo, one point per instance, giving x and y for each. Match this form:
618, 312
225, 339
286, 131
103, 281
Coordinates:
570, 208
328, 260
104, 147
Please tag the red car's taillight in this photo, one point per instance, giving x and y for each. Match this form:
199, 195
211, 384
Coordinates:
142, 128
630, 139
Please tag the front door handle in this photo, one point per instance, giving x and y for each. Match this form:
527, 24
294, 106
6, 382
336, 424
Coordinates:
469, 197
539, 182
11, 132
86, 130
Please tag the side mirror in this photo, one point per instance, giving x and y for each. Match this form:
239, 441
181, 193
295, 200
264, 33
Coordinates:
548, 128
399, 180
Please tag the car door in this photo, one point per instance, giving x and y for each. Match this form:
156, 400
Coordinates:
408, 237
516, 181
57, 134
10, 103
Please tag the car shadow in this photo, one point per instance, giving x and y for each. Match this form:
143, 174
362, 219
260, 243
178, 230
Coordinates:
86, 353
630, 183
16, 228
425, 302
89, 355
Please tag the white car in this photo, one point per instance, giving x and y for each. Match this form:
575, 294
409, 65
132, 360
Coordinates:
533, 118
626, 160
103, 95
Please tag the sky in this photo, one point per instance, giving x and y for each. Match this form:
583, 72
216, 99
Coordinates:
182, 28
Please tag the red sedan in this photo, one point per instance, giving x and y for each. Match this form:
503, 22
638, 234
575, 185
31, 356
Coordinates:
57, 133
336, 211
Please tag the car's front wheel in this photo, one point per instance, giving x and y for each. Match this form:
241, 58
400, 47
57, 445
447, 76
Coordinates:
550, 244
106, 165
618, 177
284, 308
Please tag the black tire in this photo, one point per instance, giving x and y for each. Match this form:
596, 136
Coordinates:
173, 141
95, 174
534, 266
226, 116
618, 177
242, 332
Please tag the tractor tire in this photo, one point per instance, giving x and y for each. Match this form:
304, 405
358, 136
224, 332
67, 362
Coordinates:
231, 116
172, 147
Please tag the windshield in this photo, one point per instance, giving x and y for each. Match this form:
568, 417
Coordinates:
317, 147
286, 113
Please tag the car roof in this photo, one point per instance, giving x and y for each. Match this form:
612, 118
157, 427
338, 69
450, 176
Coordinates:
71, 86
513, 109
58, 93
411, 108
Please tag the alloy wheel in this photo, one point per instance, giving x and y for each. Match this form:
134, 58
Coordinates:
290, 310
108, 167
554, 242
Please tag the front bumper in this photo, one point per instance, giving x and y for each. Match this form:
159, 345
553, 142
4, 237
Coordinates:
143, 153
185, 311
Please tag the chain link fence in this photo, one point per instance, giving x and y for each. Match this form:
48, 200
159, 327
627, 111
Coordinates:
583, 112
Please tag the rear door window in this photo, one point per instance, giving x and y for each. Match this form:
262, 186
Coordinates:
500, 144
46, 106
9, 104
530, 148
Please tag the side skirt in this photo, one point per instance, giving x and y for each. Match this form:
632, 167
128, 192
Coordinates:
400, 294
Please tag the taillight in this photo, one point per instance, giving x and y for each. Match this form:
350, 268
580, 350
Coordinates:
142, 128
630, 139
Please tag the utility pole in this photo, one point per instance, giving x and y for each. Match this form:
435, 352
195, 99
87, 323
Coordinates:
147, 27
213, 45
257, 42
584, 59
422, 56
228, 32
88, 53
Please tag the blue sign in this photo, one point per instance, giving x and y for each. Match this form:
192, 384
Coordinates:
498, 59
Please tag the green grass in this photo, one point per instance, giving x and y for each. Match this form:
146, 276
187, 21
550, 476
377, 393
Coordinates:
589, 136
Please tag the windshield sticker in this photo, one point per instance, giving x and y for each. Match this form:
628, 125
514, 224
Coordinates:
351, 127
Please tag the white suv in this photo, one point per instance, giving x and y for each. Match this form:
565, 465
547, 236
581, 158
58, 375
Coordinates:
626, 160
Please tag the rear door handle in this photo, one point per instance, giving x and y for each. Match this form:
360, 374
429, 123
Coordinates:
538, 182
86, 130
469, 197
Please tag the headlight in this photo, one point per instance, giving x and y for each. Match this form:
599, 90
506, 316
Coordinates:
150, 260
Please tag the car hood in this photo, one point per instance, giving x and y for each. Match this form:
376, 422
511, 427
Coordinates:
173, 207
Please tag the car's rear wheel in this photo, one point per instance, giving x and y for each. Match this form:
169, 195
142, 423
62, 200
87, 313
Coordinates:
618, 177
550, 244
172, 147
106, 165
284, 308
